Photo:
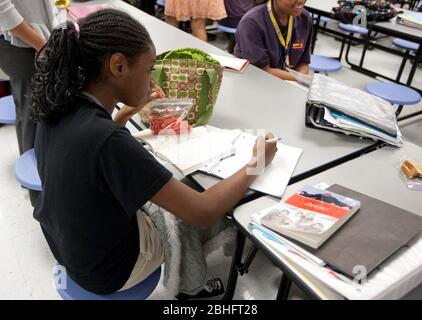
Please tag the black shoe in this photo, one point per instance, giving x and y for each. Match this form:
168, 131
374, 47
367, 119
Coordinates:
213, 287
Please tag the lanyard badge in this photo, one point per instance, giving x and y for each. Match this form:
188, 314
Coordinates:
285, 43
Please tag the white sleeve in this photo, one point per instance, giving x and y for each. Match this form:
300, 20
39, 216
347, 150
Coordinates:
9, 17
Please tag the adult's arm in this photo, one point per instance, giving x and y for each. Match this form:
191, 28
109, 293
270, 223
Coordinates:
12, 21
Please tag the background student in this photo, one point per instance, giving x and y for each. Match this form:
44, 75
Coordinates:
276, 35
24, 28
235, 9
196, 10
96, 176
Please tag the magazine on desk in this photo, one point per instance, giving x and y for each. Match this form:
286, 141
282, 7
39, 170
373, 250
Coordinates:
310, 216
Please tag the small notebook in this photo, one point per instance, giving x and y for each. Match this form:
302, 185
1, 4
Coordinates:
310, 216
189, 152
81, 11
232, 63
276, 176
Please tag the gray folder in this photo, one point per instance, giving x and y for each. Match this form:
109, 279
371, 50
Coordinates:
370, 237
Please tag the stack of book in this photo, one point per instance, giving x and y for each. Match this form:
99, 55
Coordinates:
335, 229
335, 106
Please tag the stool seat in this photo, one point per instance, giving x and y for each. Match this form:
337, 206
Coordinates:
352, 28
324, 64
72, 291
404, 44
7, 110
226, 29
325, 19
394, 93
26, 171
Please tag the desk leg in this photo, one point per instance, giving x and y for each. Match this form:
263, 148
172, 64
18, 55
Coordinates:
315, 33
284, 289
415, 65
365, 48
236, 262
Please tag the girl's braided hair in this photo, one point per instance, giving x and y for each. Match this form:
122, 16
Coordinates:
73, 58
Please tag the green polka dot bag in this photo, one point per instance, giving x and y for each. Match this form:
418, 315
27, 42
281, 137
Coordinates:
190, 73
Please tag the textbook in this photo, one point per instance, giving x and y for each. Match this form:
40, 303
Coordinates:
273, 180
231, 63
310, 216
410, 19
192, 150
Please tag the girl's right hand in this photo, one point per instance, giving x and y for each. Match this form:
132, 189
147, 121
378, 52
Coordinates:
270, 149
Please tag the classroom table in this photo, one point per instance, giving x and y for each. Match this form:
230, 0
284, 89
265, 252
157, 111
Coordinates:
376, 174
257, 100
389, 28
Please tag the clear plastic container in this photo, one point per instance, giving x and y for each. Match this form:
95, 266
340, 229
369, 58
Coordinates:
168, 116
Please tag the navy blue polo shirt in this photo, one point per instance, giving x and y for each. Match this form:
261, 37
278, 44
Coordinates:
257, 41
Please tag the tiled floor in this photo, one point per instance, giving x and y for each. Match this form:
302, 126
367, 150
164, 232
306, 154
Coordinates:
26, 263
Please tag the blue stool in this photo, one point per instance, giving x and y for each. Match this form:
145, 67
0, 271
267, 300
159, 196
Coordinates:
26, 171
7, 110
324, 64
226, 29
408, 46
73, 291
394, 93
325, 20
351, 29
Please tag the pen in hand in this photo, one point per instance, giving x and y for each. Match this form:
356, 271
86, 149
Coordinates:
273, 140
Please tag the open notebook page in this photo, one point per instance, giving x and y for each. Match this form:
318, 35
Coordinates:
273, 180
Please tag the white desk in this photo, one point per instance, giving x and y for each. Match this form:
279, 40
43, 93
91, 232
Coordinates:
377, 175
325, 6
256, 100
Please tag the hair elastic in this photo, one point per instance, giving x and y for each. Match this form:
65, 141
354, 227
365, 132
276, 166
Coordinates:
77, 29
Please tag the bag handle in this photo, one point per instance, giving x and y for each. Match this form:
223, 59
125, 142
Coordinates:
212, 78
157, 73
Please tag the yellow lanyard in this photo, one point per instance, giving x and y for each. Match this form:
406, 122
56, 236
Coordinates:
285, 43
